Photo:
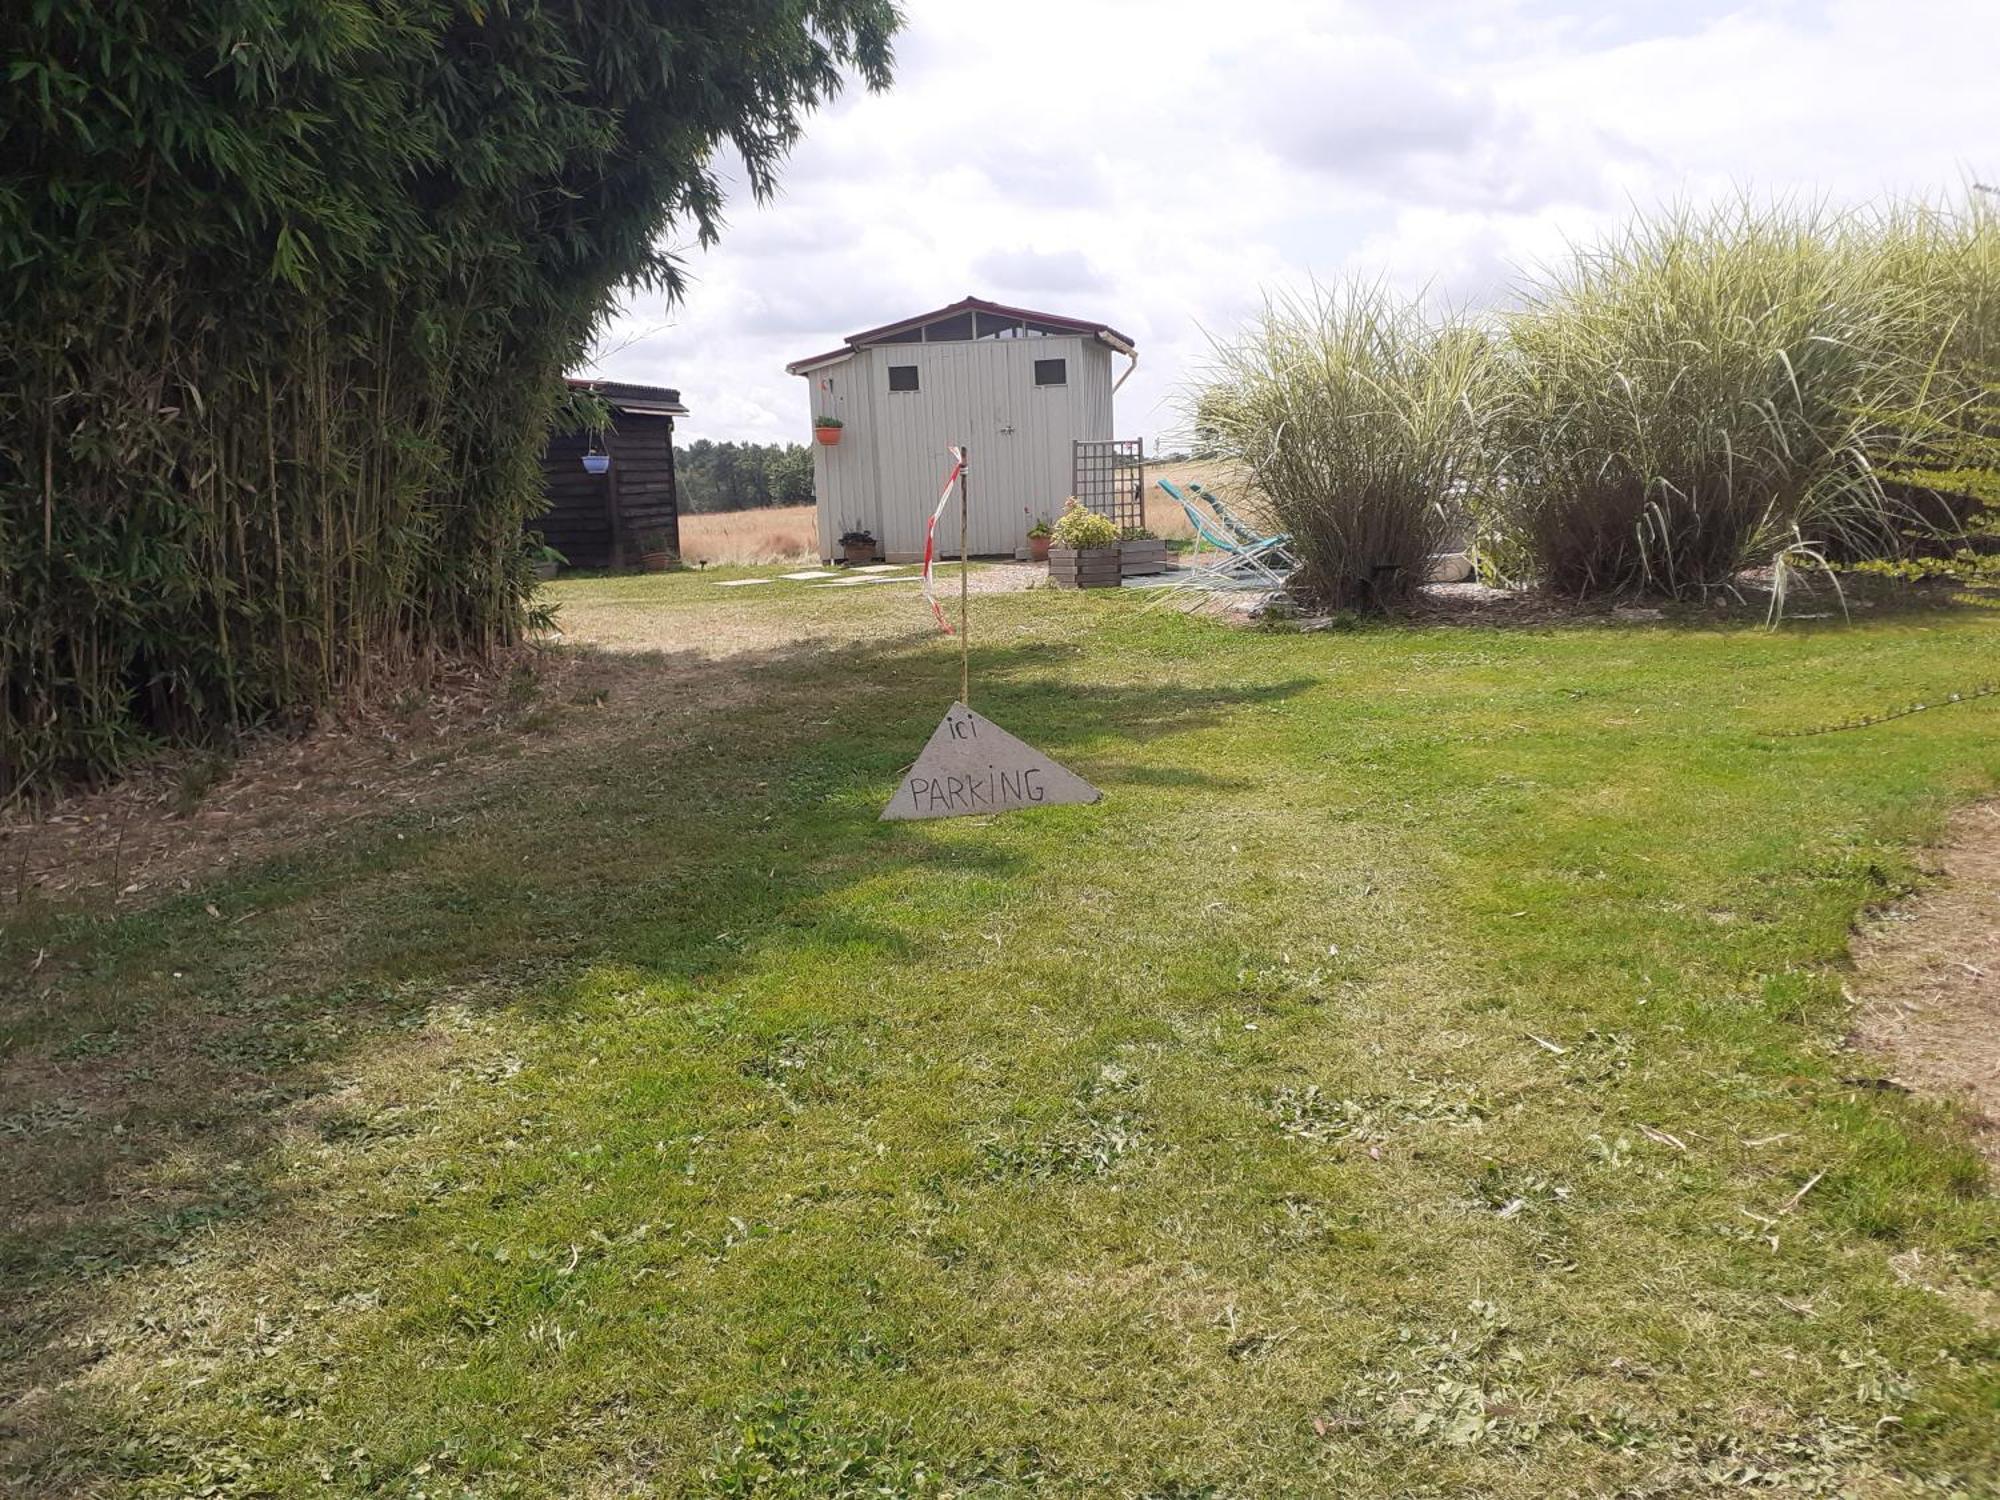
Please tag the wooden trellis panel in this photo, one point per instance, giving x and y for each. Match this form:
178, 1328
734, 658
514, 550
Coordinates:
1109, 476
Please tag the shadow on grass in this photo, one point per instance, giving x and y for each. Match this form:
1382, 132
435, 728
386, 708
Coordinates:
153, 1060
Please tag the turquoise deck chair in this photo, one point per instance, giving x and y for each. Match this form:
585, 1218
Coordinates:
1239, 528
1252, 562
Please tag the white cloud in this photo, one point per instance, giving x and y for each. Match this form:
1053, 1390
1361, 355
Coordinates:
1034, 271
1160, 164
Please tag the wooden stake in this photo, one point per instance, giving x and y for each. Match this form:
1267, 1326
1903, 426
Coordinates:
964, 586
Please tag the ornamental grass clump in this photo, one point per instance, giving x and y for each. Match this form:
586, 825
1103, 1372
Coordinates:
1695, 396
1937, 446
1359, 416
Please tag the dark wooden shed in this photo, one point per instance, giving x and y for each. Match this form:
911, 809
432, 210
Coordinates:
599, 520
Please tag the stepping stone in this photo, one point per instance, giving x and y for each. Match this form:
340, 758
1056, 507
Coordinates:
906, 578
743, 583
809, 573
842, 583
880, 567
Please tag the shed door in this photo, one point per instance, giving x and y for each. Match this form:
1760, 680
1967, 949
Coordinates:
981, 407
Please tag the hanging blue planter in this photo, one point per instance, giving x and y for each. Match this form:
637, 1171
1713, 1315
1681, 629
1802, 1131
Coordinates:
596, 463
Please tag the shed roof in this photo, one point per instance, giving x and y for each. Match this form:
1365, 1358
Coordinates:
887, 331
623, 395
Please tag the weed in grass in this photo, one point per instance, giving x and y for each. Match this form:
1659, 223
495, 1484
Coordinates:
784, 1448
199, 775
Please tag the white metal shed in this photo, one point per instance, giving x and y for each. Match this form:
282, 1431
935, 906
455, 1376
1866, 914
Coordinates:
1019, 389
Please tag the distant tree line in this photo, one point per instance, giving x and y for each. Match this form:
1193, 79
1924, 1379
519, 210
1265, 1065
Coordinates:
742, 476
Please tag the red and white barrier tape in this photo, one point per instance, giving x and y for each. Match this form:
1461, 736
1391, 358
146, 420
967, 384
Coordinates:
930, 539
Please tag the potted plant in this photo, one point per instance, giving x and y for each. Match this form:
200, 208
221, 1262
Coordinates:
1038, 539
656, 551
1083, 550
827, 429
857, 545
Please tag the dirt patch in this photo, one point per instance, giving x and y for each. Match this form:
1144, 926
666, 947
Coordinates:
614, 659
1928, 988
157, 829
711, 619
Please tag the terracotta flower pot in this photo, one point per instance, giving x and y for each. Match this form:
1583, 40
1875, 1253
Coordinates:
1038, 549
827, 435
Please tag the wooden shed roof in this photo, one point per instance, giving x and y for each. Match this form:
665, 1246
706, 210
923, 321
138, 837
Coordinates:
623, 395
887, 332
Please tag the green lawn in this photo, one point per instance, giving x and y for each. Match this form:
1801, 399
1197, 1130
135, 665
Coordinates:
1423, 1074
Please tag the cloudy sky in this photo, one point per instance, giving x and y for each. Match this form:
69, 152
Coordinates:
1161, 164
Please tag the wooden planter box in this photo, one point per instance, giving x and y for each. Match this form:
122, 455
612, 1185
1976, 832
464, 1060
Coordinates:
1135, 558
1084, 568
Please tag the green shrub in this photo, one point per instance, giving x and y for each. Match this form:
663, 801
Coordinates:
1359, 417
1077, 527
289, 291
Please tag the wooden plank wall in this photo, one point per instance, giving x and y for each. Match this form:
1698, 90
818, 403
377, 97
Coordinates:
642, 463
597, 520
578, 521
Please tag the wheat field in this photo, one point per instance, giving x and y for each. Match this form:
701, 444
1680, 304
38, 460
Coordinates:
775, 534
783, 534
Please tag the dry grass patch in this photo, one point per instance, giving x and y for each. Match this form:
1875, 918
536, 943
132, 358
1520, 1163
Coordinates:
774, 534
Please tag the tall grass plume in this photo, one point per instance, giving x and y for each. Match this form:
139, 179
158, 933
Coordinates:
1358, 416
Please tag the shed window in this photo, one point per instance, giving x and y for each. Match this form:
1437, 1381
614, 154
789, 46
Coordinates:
949, 330
1051, 372
902, 377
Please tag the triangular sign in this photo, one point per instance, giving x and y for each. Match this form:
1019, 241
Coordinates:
972, 766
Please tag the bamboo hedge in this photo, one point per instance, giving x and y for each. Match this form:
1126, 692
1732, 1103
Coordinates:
286, 291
